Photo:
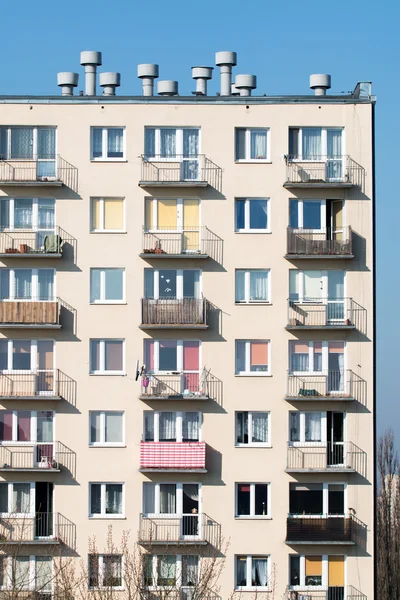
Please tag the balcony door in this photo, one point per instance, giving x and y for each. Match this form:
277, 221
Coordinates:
177, 219
172, 284
44, 509
172, 359
335, 439
336, 372
45, 373
334, 155
336, 577
190, 511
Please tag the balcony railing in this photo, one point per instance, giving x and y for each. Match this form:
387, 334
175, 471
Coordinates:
327, 385
182, 242
347, 592
326, 457
324, 171
180, 170
173, 456
319, 243
44, 170
182, 529
325, 529
321, 313
23, 243
40, 528
43, 456
182, 386
184, 313
49, 384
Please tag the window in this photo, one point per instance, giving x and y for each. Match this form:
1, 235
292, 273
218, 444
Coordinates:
107, 215
36, 214
172, 283
252, 429
317, 357
251, 215
252, 572
252, 286
178, 571
166, 356
26, 573
315, 143
172, 426
252, 144
316, 570
30, 143
171, 142
105, 571
306, 286
26, 426
16, 498
108, 143
106, 428
252, 500
316, 499
173, 499
29, 355
27, 284
252, 357
106, 499
107, 357
307, 426
107, 286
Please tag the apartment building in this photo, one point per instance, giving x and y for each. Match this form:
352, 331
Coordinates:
186, 331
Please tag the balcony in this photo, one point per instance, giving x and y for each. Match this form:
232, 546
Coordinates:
319, 243
323, 172
326, 313
325, 529
50, 384
328, 457
347, 592
182, 242
173, 457
327, 385
36, 456
171, 313
43, 171
35, 244
41, 528
182, 386
190, 529
180, 171
32, 313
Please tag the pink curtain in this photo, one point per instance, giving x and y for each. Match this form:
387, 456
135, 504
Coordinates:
190, 356
149, 355
24, 426
6, 426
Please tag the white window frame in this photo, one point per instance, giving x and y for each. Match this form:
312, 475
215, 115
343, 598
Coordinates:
179, 498
324, 142
300, 212
102, 443
35, 214
8, 129
104, 141
250, 443
247, 228
32, 497
179, 282
33, 433
34, 356
178, 138
302, 441
102, 356
300, 276
179, 418
247, 372
179, 357
248, 131
102, 199
103, 299
252, 514
100, 573
247, 286
249, 586
178, 570
325, 502
325, 357
34, 282
8, 573
324, 580
103, 514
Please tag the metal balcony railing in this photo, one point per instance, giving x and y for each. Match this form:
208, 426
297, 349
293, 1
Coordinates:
326, 456
182, 242
320, 313
325, 529
173, 456
347, 592
327, 385
44, 384
185, 312
179, 529
316, 243
41, 527
196, 170
340, 170
182, 386
45, 169
25, 243
46, 456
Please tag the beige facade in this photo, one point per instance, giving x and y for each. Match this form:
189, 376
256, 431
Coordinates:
325, 449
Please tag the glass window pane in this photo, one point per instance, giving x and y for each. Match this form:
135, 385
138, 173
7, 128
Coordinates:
166, 570
46, 284
149, 426
21, 142
190, 570
3, 497
94, 355
258, 145
21, 498
243, 499
313, 427
167, 427
4, 284
5, 213
112, 572
258, 286
113, 214
240, 144
6, 421
168, 356
293, 213
23, 213
97, 141
95, 214
46, 143
293, 285
294, 425
23, 283
95, 435
148, 283
191, 284
3, 355
260, 428
191, 427
258, 214
241, 570
190, 142
259, 572
21, 572
115, 143
294, 142
24, 426
95, 498
240, 214
311, 215
294, 570
46, 208
240, 356
242, 424
149, 141
45, 426
167, 142
114, 499
312, 148
21, 355
149, 498
95, 276
167, 283
113, 424
240, 295
168, 498
258, 356
113, 355
261, 499
114, 284
44, 573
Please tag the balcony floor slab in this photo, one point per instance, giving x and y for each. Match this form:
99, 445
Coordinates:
31, 183
173, 256
318, 184
319, 398
171, 470
173, 543
173, 398
318, 256
39, 542
321, 542
168, 184
28, 470
192, 326
29, 326
31, 255
31, 398
319, 327
327, 470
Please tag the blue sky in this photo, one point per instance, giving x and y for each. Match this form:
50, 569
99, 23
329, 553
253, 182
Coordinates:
281, 42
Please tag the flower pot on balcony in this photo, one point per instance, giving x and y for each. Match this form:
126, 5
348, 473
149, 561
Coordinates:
23, 248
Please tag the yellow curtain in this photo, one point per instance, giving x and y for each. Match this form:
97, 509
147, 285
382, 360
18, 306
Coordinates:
148, 213
313, 566
191, 238
95, 213
336, 571
337, 217
113, 214
167, 214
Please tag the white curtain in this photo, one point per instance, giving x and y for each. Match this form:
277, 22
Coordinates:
168, 142
21, 142
115, 142
113, 424
97, 141
258, 144
259, 572
46, 284
167, 568
44, 426
191, 426
168, 498
21, 567
312, 149
46, 214
258, 286
44, 576
148, 426
191, 490
149, 506
190, 142
21, 498
46, 143
23, 283
190, 570
295, 427
334, 142
22, 213
299, 362
241, 568
313, 427
260, 427
341, 372
113, 499
167, 427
